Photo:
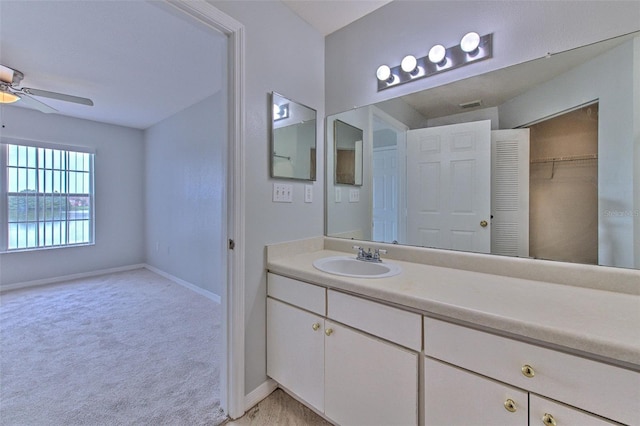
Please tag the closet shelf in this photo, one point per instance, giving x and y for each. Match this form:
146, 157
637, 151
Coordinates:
568, 158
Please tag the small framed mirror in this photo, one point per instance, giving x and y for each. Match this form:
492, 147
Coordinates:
348, 153
293, 139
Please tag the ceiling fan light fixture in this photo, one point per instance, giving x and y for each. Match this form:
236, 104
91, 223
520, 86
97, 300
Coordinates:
8, 97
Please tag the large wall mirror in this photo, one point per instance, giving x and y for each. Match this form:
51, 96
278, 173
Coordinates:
535, 160
293, 139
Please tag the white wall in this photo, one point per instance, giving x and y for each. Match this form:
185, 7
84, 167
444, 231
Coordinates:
119, 214
185, 166
286, 55
609, 78
523, 30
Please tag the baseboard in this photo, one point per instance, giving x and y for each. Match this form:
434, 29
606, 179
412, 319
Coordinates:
259, 393
46, 281
210, 295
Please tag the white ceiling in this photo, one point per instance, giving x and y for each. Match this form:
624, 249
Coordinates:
328, 16
138, 62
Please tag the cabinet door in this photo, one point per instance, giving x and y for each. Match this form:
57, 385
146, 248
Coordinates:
544, 412
454, 396
368, 381
295, 351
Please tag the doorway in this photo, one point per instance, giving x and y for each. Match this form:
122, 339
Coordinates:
232, 368
563, 221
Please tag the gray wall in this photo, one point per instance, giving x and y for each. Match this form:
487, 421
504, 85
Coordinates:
286, 55
523, 30
119, 194
185, 165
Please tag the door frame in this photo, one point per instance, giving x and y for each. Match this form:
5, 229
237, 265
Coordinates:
233, 331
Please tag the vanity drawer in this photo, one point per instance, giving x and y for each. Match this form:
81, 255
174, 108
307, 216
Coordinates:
304, 295
395, 325
543, 411
600, 388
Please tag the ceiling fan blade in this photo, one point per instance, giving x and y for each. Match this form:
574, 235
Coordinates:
34, 103
58, 96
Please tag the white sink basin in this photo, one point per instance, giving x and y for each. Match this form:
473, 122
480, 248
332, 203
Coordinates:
351, 267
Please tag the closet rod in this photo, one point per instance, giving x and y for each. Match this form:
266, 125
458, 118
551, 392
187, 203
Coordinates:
568, 158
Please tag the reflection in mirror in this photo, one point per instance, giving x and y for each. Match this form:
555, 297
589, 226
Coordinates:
293, 139
348, 153
535, 160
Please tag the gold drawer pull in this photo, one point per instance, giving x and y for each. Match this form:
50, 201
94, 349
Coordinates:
510, 405
315, 326
527, 370
548, 420
328, 331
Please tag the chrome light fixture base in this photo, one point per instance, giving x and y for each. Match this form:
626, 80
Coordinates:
454, 58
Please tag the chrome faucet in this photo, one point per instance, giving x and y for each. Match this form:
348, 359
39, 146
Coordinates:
367, 256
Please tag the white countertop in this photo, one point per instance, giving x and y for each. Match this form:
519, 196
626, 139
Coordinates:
599, 323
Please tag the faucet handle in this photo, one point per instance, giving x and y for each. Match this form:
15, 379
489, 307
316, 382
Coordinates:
361, 253
377, 253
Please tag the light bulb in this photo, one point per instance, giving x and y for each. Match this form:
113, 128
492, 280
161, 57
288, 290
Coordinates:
8, 97
409, 64
437, 54
470, 42
383, 73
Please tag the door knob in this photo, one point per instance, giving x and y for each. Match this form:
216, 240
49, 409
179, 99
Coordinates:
484, 223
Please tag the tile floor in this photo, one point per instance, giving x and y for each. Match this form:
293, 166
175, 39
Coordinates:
279, 409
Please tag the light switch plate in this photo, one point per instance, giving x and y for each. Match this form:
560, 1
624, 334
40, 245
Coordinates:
308, 193
338, 195
282, 193
354, 195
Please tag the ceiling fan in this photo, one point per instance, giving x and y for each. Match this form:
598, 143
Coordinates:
11, 92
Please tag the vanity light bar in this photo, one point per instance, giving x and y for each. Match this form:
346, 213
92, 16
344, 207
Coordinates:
435, 62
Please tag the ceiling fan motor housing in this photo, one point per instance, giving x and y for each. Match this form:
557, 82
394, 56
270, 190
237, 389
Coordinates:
10, 76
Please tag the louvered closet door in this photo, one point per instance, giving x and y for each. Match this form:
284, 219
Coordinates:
510, 192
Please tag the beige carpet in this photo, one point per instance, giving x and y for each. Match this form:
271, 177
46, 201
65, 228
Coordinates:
120, 349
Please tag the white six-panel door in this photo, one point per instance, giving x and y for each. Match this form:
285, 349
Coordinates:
385, 195
449, 187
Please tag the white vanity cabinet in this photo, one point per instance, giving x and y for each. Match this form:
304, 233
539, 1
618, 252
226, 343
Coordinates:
343, 364
295, 351
454, 396
572, 387
295, 338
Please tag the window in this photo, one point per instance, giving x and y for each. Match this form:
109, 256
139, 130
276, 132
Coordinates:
48, 197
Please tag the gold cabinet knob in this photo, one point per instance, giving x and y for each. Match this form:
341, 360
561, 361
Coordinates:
328, 331
510, 405
315, 326
527, 370
484, 223
548, 420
